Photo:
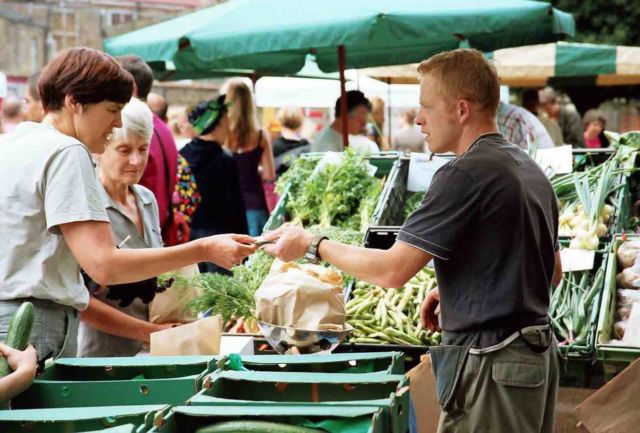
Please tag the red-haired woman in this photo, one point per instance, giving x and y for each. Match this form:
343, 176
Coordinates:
52, 218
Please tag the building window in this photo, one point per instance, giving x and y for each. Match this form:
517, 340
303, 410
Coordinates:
116, 18
65, 28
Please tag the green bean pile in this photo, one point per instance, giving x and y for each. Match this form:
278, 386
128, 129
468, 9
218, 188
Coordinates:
391, 316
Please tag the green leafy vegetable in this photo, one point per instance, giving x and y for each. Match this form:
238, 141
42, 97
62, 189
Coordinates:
340, 194
412, 203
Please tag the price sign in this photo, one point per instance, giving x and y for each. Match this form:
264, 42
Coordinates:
559, 159
576, 260
422, 167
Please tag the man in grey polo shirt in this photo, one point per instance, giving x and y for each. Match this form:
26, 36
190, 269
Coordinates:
490, 223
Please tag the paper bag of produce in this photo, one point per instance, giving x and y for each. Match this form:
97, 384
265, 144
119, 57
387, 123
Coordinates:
172, 305
201, 337
302, 297
614, 407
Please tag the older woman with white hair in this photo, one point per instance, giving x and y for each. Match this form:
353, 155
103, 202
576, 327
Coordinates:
113, 325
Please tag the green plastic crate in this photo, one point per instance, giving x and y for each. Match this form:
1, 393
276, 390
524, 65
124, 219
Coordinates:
623, 207
388, 392
80, 382
384, 161
78, 419
125, 428
187, 419
378, 362
614, 358
584, 354
390, 210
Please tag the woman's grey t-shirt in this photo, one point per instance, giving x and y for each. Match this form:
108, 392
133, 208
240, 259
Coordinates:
91, 341
490, 219
48, 179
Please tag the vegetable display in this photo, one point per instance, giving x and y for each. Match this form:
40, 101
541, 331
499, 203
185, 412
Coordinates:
628, 295
232, 296
412, 202
339, 193
18, 333
572, 304
391, 316
586, 202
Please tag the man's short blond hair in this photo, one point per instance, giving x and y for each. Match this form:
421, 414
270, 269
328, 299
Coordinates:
465, 74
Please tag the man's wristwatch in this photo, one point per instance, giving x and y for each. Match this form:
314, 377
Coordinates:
312, 255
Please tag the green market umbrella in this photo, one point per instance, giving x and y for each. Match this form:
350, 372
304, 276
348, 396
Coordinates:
166, 71
570, 63
274, 37
557, 64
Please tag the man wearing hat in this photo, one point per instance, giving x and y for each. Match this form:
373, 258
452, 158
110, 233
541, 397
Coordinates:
222, 209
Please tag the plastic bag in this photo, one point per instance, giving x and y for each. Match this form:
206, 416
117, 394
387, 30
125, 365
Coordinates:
619, 328
627, 253
628, 296
629, 278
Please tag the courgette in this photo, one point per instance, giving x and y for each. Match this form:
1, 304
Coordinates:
18, 333
255, 427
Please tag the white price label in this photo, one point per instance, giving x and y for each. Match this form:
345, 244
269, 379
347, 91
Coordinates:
422, 167
559, 159
577, 260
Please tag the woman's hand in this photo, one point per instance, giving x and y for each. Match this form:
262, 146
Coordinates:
228, 250
25, 361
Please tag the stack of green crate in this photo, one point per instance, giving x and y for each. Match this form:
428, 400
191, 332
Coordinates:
580, 359
614, 358
84, 382
356, 393
343, 419
89, 394
111, 419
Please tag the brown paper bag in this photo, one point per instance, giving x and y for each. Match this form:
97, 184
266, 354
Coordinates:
422, 386
172, 304
614, 407
201, 337
302, 297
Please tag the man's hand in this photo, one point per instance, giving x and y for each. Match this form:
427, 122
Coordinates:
291, 243
228, 250
25, 361
430, 311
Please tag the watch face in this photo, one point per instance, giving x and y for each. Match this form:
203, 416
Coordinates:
311, 258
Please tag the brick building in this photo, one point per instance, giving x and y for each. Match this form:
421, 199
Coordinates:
32, 31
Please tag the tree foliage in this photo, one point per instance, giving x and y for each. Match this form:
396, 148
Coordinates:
612, 22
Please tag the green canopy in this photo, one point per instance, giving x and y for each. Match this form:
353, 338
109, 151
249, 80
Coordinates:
166, 71
558, 64
568, 63
273, 37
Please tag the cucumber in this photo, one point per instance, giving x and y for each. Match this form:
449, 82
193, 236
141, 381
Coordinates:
255, 427
18, 333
